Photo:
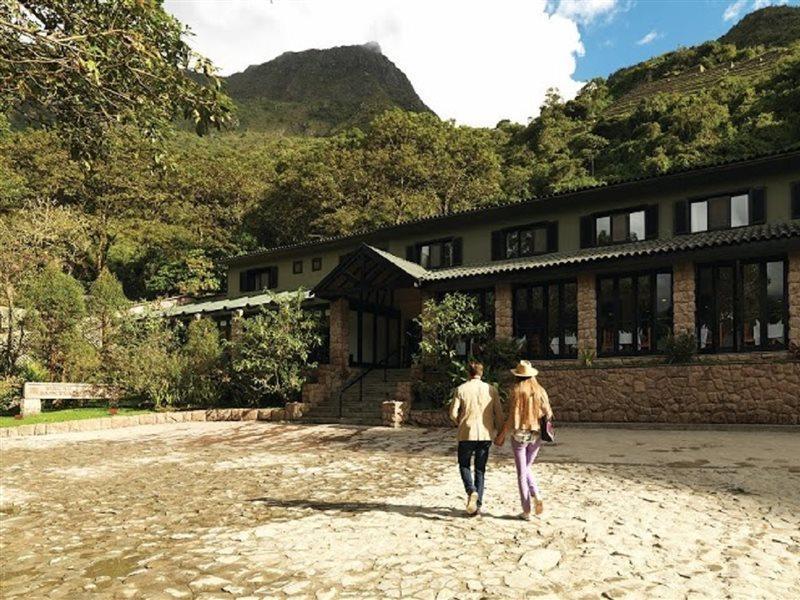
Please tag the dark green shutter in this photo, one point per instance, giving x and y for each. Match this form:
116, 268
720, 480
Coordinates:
587, 232
243, 281
795, 200
758, 206
651, 222
681, 217
498, 245
273, 277
552, 236
411, 253
458, 251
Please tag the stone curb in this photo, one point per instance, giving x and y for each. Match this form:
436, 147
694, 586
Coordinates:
212, 414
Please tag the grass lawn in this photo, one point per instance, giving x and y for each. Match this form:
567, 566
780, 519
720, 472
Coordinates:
67, 414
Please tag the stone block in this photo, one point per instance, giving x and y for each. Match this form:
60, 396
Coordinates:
250, 414
30, 406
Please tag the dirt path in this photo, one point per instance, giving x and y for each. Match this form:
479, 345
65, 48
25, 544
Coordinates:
235, 510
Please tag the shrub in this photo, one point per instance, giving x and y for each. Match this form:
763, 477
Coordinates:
204, 370
681, 348
10, 393
270, 358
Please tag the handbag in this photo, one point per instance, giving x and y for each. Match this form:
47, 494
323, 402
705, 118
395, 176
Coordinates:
546, 431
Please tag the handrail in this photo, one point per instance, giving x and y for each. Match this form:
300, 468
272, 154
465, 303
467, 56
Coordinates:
359, 379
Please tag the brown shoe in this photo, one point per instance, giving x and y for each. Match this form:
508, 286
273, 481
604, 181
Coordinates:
472, 503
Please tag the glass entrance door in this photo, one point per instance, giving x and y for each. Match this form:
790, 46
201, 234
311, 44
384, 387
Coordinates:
374, 335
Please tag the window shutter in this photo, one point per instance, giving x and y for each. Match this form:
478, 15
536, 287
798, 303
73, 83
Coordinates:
758, 206
681, 217
243, 281
796, 200
651, 222
552, 236
411, 253
587, 232
498, 245
273, 277
458, 251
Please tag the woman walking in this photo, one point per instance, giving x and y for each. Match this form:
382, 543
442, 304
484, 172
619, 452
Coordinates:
529, 402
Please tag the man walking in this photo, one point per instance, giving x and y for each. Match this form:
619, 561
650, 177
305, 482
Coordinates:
477, 411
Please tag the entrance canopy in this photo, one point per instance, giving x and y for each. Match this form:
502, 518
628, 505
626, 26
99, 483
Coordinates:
369, 275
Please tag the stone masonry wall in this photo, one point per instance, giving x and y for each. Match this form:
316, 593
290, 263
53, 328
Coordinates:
503, 311
587, 313
699, 393
794, 296
683, 301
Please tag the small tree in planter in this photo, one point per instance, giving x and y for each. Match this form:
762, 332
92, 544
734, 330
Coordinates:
270, 357
681, 348
452, 320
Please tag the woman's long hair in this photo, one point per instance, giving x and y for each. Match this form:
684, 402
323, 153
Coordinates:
526, 395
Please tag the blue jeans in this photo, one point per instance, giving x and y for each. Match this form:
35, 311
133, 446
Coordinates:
465, 452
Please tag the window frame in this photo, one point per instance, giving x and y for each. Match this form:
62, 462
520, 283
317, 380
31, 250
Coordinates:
545, 285
297, 267
730, 194
610, 215
316, 263
437, 242
250, 275
738, 300
519, 229
652, 274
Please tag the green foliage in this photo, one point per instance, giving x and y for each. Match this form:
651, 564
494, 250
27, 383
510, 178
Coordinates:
205, 377
106, 304
270, 356
83, 67
10, 393
770, 26
681, 348
498, 357
193, 274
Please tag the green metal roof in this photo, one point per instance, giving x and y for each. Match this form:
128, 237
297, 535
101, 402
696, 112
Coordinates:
415, 270
230, 304
680, 243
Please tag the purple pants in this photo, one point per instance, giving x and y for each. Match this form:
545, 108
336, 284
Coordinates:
524, 455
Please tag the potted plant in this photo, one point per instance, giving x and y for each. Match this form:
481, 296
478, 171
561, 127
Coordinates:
113, 408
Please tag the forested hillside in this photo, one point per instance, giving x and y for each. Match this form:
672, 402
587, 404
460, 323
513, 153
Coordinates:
163, 218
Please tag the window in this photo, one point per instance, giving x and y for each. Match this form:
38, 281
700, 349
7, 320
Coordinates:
316, 263
436, 254
297, 267
255, 280
546, 319
741, 306
723, 211
529, 240
630, 225
795, 195
634, 313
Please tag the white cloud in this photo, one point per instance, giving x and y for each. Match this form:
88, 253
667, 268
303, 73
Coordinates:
734, 10
470, 60
764, 3
649, 38
583, 11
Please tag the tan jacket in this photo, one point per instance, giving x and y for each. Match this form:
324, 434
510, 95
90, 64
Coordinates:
477, 410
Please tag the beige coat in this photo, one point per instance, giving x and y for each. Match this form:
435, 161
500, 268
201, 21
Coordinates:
477, 410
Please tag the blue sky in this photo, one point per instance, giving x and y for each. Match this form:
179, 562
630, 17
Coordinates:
641, 29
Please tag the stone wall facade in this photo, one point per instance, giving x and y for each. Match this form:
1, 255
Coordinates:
760, 392
587, 313
683, 300
503, 311
339, 334
794, 297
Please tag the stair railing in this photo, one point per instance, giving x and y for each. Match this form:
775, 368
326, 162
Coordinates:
359, 379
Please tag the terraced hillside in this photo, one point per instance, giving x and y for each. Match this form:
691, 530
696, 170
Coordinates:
697, 79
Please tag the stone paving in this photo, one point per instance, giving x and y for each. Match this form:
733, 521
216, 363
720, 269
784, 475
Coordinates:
264, 510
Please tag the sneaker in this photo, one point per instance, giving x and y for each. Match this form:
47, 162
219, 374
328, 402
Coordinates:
538, 506
526, 516
472, 503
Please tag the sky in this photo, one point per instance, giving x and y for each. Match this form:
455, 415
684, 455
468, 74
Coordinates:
474, 61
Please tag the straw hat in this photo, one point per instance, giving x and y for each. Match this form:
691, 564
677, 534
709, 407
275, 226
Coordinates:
524, 369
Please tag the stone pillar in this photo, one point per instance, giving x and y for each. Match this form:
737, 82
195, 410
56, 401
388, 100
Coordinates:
503, 311
30, 406
794, 296
587, 313
237, 317
393, 413
683, 301
339, 333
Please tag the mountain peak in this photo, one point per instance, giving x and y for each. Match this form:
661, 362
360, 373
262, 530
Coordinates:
321, 91
770, 26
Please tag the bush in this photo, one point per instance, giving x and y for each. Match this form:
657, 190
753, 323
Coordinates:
204, 370
270, 358
10, 393
681, 348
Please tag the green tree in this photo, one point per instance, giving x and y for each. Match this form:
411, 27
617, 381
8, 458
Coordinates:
204, 371
86, 66
107, 305
270, 357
